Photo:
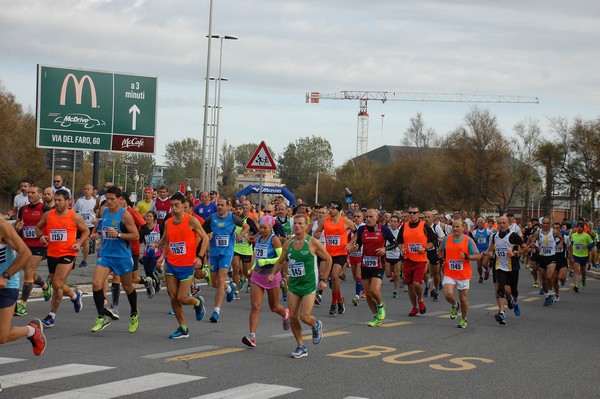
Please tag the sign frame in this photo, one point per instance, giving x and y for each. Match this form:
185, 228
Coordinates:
256, 157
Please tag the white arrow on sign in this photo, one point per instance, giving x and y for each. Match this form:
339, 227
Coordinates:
135, 111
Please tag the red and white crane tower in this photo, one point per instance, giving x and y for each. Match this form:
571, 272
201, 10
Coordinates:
362, 133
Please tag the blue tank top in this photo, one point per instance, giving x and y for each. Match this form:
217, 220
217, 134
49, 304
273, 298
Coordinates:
113, 247
223, 238
482, 239
264, 250
7, 256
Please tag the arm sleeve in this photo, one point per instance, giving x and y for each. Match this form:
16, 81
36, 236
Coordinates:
237, 220
271, 261
431, 236
278, 229
206, 225
400, 238
389, 237
253, 226
359, 234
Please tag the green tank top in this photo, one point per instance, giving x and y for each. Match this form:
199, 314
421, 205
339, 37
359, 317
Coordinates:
580, 244
303, 270
242, 247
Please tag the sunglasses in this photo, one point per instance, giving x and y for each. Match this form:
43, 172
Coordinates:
267, 211
57, 181
412, 213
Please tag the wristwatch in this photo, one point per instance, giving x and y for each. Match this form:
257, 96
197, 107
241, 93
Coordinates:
6, 275
119, 235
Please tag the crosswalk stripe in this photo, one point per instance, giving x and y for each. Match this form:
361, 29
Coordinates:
125, 387
181, 352
7, 360
263, 391
48, 374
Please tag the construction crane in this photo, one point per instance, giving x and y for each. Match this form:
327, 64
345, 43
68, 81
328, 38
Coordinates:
362, 134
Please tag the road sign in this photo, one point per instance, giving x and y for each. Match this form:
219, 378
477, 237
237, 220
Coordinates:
96, 111
262, 159
63, 159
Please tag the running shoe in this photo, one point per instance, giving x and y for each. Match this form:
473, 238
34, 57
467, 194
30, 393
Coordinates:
480, 279
180, 333
575, 288
500, 318
112, 312
486, 274
374, 321
242, 281
413, 312
381, 312
356, 300
236, 296
83, 264
435, 296
317, 333
562, 283
318, 300
38, 340
78, 301
194, 289
509, 302
454, 311
333, 309
208, 277
231, 293
570, 273
426, 291
48, 321
134, 322
517, 309
341, 308
101, 324
286, 320
150, 290
536, 284
47, 291
301, 351
542, 291
199, 309
215, 317
557, 298
248, 289
462, 323
171, 312
343, 276
250, 341
395, 294
284, 298
583, 285
422, 308
21, 310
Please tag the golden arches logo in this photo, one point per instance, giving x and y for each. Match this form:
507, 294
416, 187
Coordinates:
78, 89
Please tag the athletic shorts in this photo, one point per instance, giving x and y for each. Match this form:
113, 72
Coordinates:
561, 261
63, 260
393, 262
181, 273
533, 256
339, 260
262, 280
118, 265
8, 297
136, 261
244, 258
371, 272
220, 262
38, 251
355, 260
544, 261
433, 257
581, 260
460, 284
413, 271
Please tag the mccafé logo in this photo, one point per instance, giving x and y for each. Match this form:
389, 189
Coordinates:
78, 89
132, 142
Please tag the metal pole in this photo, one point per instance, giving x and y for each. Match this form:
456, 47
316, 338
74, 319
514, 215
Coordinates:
52, 177
125, 188
218, 112
73, 183
96, 170
317, 189
260, 193
206, 92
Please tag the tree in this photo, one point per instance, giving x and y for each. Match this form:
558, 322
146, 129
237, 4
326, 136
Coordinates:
549, 155
183, 161
417, 135
305, 157
228, 175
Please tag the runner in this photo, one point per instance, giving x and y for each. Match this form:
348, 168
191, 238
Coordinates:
22, 198
336, 227
206, 207
302, 252
393, 259
222, 226
481, 235
182, 232
320, 214
162, 205
242, 251
457, 251
150, 235
58, 184
267, 251
433, 260
10, 265
48, 197
583, 248
58, 230
85, 207
28, 217
143, 206
372, 238
355, 260
118, 228
562, 261
547, 246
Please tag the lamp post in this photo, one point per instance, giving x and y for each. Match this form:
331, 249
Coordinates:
136, 178
206, 91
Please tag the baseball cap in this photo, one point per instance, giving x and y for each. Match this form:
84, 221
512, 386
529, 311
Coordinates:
213, 193
336, 205
148, 189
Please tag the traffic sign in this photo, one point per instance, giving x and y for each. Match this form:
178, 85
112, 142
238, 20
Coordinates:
96, 111
262, 159
63, 159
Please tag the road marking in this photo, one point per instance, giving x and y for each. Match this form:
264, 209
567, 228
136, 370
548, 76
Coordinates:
216, 352
438, 313
7, 360
481, 305
532, 299
263, 391
492, 308
445, 316
181, 352
49, 374
396, 324
125, 387
327, 334
355, 397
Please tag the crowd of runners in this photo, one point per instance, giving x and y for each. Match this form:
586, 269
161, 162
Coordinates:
293, 254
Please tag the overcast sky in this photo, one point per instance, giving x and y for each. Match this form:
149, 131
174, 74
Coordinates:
547, 49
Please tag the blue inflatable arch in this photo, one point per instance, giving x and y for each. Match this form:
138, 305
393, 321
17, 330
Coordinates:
253, 189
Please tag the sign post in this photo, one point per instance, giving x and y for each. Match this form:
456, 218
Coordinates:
261, 160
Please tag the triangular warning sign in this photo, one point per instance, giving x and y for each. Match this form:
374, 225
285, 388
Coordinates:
262, 159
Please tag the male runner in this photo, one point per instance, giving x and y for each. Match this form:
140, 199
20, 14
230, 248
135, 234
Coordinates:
85, 207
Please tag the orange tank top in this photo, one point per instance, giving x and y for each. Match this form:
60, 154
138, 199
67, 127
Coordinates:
181, 242
62, 234
336, 237
454, 266
413, 240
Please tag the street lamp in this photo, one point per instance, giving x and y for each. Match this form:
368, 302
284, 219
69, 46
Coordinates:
206, 91
136, 178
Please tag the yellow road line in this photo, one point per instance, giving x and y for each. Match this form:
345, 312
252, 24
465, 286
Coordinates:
492, 308
396, 324
201, 355
328, 334
531, 299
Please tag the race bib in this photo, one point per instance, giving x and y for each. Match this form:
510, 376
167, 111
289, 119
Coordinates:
296, 269
456, 264
58, 235
546, 250
152, 238
222, 241
87, 216
481, 240
414, 248
161, 214
177, 248
578, 247
29, 232
260, 250
501, 251
105, 234
333, 240
370, 261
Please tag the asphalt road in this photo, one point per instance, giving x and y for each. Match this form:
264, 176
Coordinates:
547, 352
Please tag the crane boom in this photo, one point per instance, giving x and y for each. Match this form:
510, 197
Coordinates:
364, 96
